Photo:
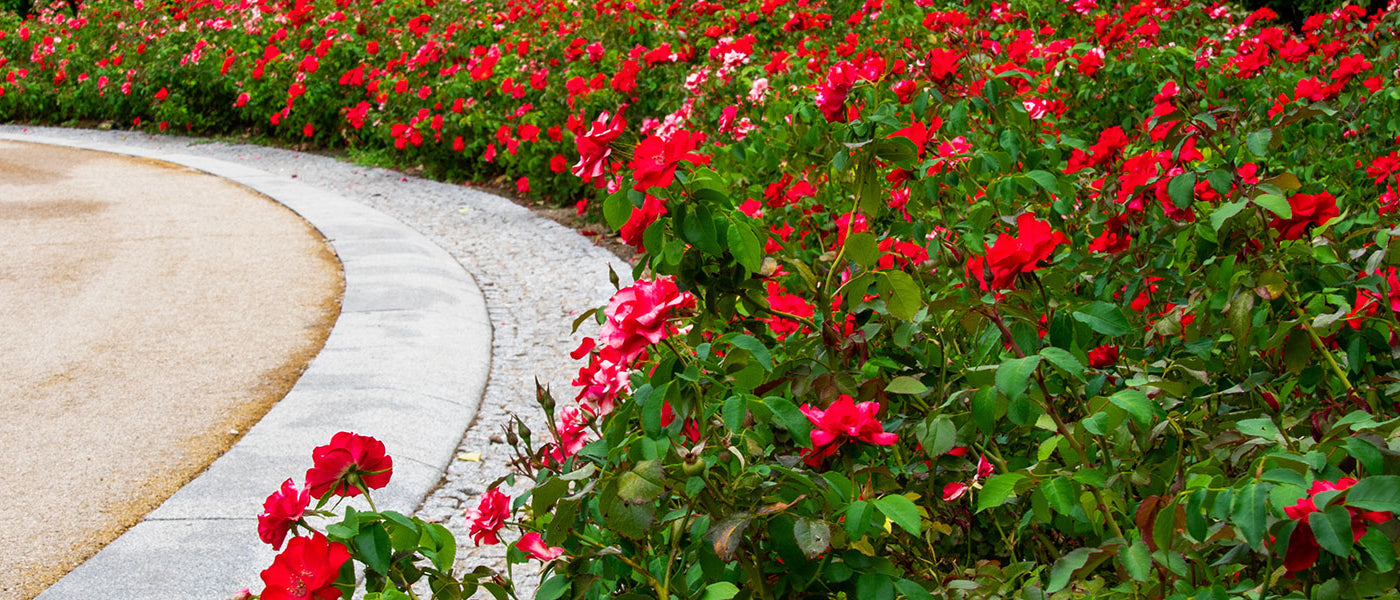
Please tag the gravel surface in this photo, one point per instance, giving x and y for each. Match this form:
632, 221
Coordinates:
536, 275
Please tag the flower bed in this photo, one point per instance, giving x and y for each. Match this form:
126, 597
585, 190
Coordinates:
1032, 299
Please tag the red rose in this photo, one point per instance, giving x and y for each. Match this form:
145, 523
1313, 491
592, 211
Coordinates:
489, 516
533, 544
1012, 256
1309, 210
637, 315
843, 420
280, 511
1103, 357
594, 146
1303, 548
654, 161
642, 218
306, 569
832, 91
348, 466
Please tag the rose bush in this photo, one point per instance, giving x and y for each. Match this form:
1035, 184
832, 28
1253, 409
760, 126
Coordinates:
957, 299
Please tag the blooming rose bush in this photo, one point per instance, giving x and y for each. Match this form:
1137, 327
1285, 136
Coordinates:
970, 299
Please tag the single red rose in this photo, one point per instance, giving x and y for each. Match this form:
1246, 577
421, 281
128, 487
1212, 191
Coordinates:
281, 510
486, 520
306, 569
1309, 210
594, 147
642, 218
533, 544
1103, 357
348, 466
1010, 256
655, 160
843, 420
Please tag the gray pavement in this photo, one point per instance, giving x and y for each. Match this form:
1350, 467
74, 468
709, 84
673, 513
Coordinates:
412, 360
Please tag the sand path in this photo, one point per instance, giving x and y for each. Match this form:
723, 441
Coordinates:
149, 314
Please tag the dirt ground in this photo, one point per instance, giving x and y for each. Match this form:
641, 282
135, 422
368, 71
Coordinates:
149, 315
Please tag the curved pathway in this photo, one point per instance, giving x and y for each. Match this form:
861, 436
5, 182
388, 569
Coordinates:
535, 276
145, 326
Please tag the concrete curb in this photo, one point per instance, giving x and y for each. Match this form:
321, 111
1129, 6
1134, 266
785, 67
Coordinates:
407, 362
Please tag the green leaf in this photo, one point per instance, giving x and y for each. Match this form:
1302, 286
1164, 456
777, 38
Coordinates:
643, 484
862, 248
1381, 492
792, 419
1014, 375
1365, 453
856, 516
1060, 493
698, 228
553, 588
743, 244
722, 590
1223, 213
447, 546
1332, 528
912, 590
1250, 511
727, 534
374, 548
902, 511
984, 409
1137, 560
1260, 427
755, 348
1258, 142
1182, 189
545, 495
905, 297
896, 149
906, 385
1064, 360
1275, 204
628, 520
1136, 403
1066, 566
997, 490
813, 537
940, 436
1046, 181
1104, 318
617, 209
1379, 550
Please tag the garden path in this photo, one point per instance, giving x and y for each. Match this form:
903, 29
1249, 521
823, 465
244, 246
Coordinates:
535, 275
145, 325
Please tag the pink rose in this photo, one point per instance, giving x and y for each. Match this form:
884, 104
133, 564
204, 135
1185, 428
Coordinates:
637, 315
486, 520
532, 544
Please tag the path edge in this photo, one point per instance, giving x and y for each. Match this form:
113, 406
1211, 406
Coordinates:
406, 361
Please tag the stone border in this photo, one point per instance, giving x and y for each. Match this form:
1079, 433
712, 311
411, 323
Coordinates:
407, 362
